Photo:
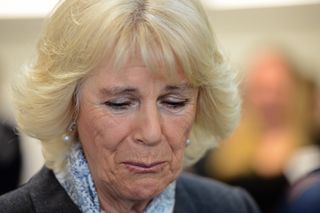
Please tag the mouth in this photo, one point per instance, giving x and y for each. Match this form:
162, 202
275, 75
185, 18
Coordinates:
141, 167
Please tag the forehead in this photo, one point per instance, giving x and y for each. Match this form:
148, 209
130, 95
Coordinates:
135, 78
269, 68
136, 68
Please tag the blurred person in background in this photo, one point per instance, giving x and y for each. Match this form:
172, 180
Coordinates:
10, 158
316, 127
276, 123
303, 170
10, 154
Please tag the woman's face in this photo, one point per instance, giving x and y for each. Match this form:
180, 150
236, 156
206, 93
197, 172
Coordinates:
133, 125
270, 88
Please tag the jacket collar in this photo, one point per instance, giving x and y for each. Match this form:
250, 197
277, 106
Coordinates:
184, 202
47, 194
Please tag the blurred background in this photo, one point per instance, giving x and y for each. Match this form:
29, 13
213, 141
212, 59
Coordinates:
243, 28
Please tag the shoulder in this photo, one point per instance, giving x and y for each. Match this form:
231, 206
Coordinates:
42, 194
305, 195
207, 195
17, 201
7, 131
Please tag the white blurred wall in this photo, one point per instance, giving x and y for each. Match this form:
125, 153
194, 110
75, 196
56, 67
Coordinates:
17, 44
297, 27
237, 32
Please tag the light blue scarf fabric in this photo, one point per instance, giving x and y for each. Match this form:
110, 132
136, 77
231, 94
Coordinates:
77, 181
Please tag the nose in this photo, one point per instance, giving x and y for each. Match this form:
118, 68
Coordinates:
149, 129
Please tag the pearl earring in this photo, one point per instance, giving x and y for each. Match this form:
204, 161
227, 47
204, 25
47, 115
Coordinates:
67, 136
188, 142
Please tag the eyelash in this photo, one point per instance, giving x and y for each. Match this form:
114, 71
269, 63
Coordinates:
176, 104
171, 105
119, 105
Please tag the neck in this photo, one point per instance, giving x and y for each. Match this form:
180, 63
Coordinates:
275, 128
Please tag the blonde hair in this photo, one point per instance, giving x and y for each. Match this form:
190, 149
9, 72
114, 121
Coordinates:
80, 34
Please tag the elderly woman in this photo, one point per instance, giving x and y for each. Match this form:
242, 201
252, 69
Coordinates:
123, 95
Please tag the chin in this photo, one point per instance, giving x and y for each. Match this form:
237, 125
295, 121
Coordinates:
146, 188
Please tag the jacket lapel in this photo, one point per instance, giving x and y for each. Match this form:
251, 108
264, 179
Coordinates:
184, 202
48, 195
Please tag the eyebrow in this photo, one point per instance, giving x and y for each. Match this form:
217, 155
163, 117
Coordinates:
182, 87
118, 90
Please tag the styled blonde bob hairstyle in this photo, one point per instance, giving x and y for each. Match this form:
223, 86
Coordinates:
81, 34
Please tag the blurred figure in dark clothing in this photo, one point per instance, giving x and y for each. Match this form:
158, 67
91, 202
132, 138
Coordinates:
276, 123
316, 128
303, 171
10, 158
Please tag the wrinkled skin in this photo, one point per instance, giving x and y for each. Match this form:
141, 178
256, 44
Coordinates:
133, 125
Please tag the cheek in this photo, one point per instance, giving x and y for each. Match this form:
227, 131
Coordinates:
177, 132
98, 135
180, 126
99, 128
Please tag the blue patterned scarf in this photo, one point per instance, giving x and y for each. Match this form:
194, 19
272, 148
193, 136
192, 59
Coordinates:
77, 181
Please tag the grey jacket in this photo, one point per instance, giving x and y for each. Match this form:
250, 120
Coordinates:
44, 194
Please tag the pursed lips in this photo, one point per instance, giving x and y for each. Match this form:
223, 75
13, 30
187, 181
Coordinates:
142, 167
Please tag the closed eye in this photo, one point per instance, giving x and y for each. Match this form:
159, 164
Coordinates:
119, 105
175, 104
